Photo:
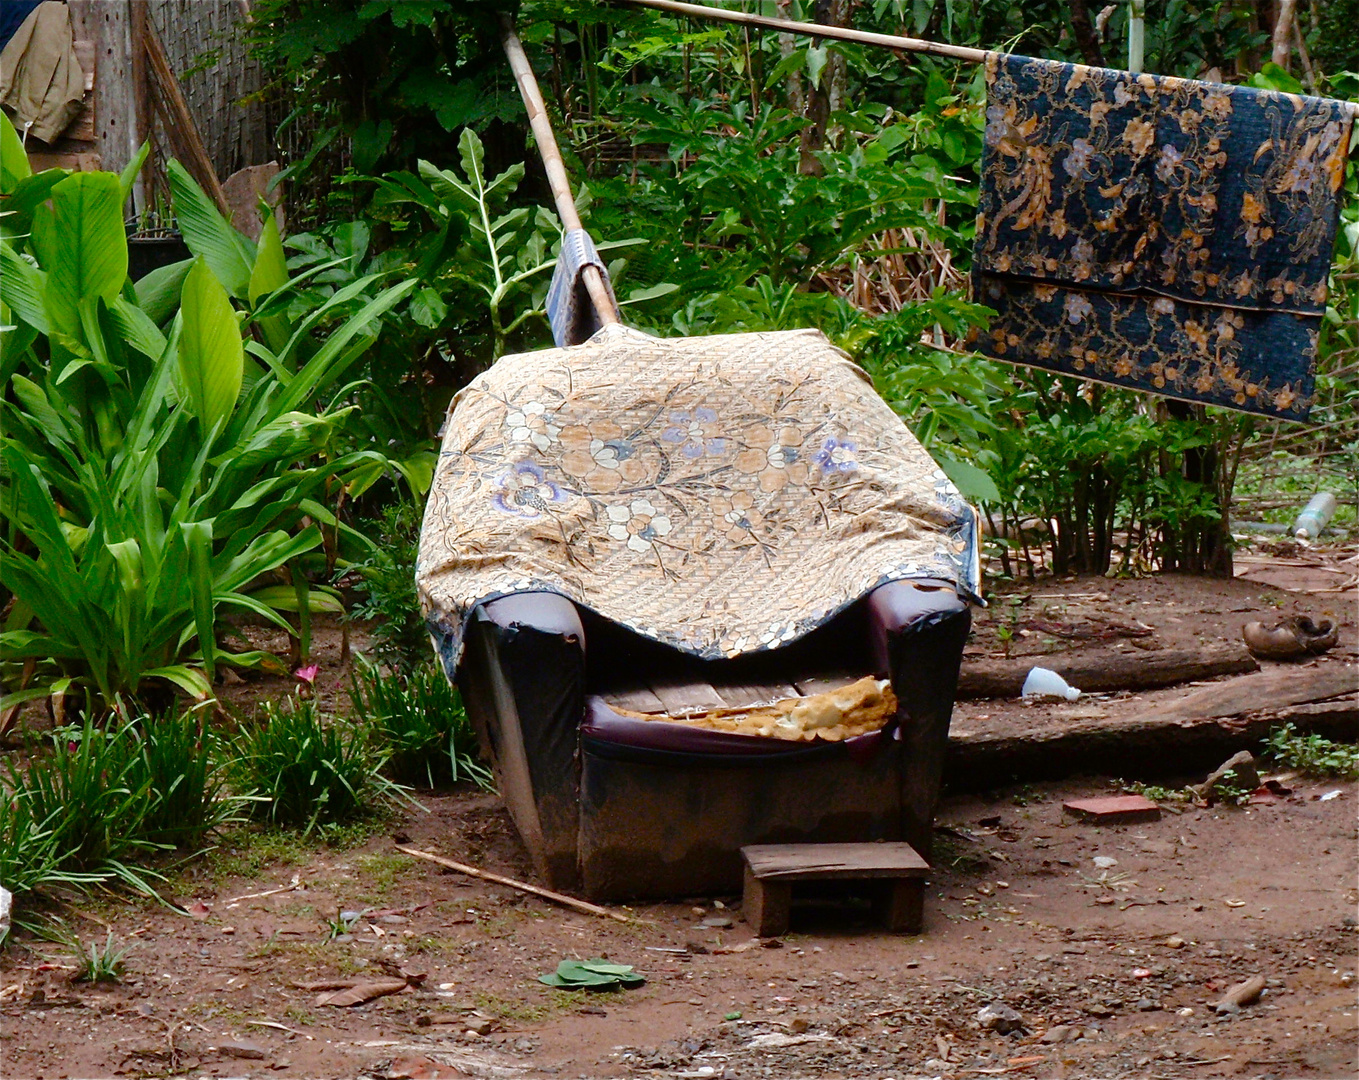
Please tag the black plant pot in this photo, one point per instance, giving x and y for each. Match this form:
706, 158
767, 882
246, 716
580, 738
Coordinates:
147, 253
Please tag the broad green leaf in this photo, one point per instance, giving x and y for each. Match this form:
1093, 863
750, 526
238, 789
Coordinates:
209, 235
428, 308
22, 287
661, 288
188, 679
270, 271
971, 482
284, 598
198, 539
211, 356
158, 291
13, 161
137, 329
82, 244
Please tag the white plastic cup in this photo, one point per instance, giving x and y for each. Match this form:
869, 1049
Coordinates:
1041, 682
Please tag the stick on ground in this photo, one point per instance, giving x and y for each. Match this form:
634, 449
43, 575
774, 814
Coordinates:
522, 886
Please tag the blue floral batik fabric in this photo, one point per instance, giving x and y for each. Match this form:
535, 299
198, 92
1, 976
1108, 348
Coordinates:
1159, 233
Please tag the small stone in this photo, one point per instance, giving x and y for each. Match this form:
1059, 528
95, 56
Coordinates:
1238, 773
1104, 862
1146, 1005
242, 1048
799, 1025
999, 1017
1060, 1033
1099, 1010
480, 1025
718, 922
1174, 942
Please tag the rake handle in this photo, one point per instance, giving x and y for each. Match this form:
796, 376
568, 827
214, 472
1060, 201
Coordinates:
551, 154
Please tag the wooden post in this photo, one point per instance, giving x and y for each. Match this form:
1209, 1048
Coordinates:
115, 107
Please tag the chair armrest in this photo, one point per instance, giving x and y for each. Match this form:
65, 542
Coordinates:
546, 612
906, 605
523, 681
917, 632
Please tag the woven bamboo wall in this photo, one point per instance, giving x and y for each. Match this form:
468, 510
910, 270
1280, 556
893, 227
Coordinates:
205, 43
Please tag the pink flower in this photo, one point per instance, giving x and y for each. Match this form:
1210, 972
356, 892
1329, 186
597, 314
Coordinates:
307, 673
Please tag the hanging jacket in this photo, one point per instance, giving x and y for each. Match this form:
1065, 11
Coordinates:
41, 83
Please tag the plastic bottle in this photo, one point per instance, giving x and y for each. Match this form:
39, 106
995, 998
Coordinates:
1315, 516
1041, 682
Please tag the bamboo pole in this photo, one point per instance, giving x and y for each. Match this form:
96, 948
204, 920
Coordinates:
839, 33
557, 179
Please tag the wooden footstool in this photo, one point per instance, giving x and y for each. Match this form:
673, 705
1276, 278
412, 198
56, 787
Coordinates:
771, 870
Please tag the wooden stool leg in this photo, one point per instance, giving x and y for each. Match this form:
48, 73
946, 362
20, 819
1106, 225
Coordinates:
905, 906
766, 904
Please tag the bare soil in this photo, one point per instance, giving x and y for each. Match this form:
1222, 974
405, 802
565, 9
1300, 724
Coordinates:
1112, 967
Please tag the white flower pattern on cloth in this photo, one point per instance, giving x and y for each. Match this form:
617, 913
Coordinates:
531, 424
638, 524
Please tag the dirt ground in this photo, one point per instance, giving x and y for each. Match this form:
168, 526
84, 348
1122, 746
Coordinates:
1018, 913
1112, 967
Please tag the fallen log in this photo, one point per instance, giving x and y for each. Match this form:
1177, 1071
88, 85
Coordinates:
1104, 670
1179, 738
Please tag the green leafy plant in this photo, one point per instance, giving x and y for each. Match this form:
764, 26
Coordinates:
180, 757
149, 479
93, 796
386, 583
97, 962
419, 717
1313, 755
301, 770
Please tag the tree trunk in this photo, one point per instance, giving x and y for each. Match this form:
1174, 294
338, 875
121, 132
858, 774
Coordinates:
818, 107
1086, 38
1282, 42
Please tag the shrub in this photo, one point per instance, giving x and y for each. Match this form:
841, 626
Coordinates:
387, 576
300, 770
151, 477
419, 717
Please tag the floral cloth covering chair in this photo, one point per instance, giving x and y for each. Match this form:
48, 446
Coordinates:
632, 534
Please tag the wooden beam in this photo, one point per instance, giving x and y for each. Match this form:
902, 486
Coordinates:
180, 130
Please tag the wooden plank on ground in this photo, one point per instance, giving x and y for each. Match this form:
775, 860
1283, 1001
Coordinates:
1103, 670
1196, 732
819, 862
1278, 689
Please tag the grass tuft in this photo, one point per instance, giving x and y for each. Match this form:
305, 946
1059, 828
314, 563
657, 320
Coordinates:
418, 716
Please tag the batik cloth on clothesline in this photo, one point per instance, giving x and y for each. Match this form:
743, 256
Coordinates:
1164, 234
721, 495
